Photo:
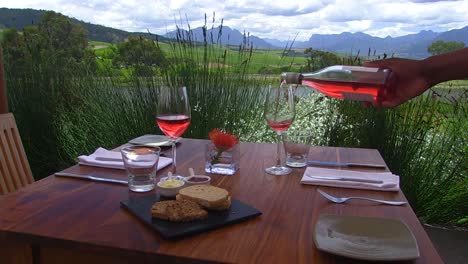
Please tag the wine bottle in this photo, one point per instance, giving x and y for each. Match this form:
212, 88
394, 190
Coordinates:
355, 83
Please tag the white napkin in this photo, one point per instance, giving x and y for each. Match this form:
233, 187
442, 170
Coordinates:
391, 182
104, 153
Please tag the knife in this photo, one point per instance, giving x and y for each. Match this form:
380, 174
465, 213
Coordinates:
338, 178
89, 177
344, 164
121, 160
108, 159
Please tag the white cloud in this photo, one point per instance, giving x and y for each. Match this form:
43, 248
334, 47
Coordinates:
281, 19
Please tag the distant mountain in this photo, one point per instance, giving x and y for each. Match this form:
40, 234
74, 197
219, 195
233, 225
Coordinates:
287, 43
413, 45
225, 36
455, 35
19, 18
409, 46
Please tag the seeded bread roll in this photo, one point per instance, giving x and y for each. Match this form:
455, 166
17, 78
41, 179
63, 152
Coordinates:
178, 211
210, 197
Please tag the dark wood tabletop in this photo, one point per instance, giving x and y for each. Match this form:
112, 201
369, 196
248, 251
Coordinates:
82, 221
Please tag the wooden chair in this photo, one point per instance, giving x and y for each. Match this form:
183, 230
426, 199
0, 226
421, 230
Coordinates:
14, 167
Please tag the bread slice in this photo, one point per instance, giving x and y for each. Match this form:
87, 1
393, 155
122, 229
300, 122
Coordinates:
208, 196
178, 211
221, 206
225, 205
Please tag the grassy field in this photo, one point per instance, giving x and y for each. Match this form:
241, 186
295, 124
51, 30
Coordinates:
273, 59
97, 45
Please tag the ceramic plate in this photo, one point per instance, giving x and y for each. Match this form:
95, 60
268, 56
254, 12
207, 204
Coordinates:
152, 140
365, 238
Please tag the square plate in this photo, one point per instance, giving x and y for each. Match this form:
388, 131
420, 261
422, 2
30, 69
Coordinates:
365, 238
152, 140
141, 208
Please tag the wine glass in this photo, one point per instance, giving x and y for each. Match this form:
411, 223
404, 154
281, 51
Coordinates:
279, 113
173, 115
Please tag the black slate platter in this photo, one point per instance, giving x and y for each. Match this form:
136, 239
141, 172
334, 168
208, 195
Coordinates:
141, 208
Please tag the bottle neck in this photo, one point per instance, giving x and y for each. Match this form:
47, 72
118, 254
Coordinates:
340, 73
292, 77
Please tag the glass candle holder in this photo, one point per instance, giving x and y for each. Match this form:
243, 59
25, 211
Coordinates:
222, 161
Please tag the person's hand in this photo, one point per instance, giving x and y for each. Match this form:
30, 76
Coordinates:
405, 82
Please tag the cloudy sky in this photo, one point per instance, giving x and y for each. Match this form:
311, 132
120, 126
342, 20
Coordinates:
277, 19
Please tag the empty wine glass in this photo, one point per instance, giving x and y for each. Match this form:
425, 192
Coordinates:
279, 113
173, 115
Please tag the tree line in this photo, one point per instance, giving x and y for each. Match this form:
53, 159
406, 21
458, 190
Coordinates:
57, 46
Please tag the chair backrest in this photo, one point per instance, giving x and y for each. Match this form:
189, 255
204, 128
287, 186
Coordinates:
14, 166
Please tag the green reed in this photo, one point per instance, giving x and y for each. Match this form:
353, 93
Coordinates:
221, 93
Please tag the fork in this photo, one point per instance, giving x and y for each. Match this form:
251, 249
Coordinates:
344, 199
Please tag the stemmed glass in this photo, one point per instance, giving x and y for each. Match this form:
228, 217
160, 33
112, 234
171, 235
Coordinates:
279, 113
173, 115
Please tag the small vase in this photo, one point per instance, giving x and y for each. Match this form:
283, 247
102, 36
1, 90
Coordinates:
222, 161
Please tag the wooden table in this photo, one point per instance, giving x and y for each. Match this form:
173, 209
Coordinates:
61, 220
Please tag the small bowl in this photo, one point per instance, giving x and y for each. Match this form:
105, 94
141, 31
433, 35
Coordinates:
170, 187
197, 180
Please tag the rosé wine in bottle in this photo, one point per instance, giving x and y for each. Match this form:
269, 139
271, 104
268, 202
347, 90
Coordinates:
173, 125
355, 83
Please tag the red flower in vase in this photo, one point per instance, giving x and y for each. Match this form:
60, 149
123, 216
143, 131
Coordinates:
223, 140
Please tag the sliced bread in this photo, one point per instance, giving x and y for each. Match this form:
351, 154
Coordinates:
178, 211
208, 196
223, 206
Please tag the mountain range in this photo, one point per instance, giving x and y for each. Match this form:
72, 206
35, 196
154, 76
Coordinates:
409, 46
222, 35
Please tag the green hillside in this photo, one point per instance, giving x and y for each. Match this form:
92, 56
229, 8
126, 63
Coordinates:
20, 18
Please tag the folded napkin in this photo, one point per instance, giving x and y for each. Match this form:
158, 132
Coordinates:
117, 164
391, 182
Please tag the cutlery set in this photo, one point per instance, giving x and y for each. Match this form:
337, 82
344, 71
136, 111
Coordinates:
310, 162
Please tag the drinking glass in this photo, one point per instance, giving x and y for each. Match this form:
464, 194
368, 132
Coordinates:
141, 163
279, 113
297, 145
173, 115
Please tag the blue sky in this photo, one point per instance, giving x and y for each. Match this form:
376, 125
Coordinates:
276, 19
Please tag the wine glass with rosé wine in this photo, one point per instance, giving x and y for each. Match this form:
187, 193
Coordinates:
279, 113
173, 115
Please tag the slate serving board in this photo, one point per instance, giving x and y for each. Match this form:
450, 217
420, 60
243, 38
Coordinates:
140, 207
